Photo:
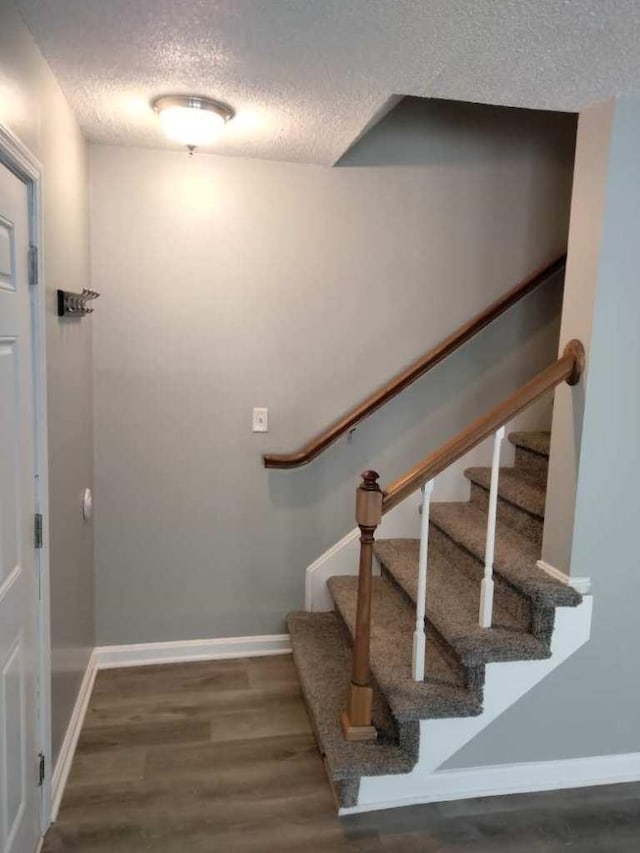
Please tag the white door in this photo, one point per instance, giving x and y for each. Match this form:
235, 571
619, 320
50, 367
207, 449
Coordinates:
19, 830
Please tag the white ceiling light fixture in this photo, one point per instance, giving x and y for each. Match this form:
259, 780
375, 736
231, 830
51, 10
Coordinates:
192, 120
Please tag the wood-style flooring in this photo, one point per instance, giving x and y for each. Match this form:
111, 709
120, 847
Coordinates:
218, 757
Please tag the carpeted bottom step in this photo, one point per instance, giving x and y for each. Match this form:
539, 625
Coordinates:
323, 658
453, 601
445, 692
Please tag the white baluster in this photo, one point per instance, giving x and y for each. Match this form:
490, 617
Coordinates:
419, 638
486, 590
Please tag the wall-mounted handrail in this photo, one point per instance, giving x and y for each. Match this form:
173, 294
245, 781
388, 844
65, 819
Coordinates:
412, 372
568, 368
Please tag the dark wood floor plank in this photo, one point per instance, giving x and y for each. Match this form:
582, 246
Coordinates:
198, 676
208, 778
218, 757
284, 718
110, 767
314, 836
197, 812
185, 758
99, 739
112, 709
271, 670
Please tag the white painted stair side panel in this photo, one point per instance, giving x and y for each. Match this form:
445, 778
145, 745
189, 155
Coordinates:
342, 558
505, 683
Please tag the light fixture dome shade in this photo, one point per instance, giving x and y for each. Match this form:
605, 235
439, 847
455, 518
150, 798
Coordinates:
191, 120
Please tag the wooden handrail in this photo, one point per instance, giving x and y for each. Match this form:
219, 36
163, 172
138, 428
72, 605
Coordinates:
568, 368
411, 373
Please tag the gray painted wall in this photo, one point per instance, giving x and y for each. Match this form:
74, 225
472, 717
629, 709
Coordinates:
585, 236
230, 283
33, 107
590, 705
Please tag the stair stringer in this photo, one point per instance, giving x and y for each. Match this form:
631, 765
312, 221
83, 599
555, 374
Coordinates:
505, 684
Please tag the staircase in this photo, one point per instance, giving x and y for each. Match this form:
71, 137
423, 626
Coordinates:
525, 608
402, 668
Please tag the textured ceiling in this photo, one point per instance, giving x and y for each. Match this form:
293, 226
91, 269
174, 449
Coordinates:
306, 76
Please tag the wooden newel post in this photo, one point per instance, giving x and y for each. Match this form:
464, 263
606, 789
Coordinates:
356, 720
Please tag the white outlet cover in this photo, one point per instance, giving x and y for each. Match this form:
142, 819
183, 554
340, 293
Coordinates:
260, 420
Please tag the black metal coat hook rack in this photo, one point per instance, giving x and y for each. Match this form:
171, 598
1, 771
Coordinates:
75, 304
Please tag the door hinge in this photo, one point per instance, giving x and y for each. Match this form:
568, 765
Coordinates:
37, 529
41, 769
33, 264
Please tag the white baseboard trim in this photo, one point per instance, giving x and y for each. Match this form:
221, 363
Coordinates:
505, 779
68, 748
143, 654
581, 585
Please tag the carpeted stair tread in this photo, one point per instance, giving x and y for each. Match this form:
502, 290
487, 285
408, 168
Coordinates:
322, 656
443, 692
516, 486
457, 649
534, 442
452, 606
515, 554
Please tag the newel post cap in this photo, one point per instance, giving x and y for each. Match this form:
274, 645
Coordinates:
369, 500
370, 481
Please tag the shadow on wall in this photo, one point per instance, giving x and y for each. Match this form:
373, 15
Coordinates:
464, 385
404, 139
